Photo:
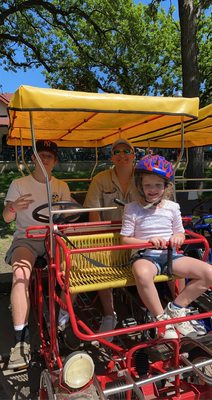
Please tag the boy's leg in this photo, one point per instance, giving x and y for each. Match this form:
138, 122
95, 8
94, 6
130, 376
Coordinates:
106, 298
22, 261
65, 330
109, 319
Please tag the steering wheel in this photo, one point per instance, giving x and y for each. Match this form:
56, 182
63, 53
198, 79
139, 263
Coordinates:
203, 208
57, 218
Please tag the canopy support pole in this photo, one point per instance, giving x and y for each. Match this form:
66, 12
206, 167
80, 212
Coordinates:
49, 197
17, 161
181, 152
96, 162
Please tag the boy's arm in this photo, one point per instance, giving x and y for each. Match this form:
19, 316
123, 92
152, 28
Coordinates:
12, 207
9, 212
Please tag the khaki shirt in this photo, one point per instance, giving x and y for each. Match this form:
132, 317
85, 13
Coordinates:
102, 191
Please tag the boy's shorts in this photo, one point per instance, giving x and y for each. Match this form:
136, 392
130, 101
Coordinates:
36, 246
160, 260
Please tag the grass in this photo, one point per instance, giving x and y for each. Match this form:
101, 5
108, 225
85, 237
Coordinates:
5, 180
6, 230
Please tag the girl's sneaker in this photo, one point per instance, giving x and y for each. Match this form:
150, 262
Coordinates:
168, 332
197, 324
184, 328
199, 327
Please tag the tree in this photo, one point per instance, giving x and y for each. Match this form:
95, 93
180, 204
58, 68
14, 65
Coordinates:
132, 56
113, 46
91, 45
192, 20
190, 73
23, 25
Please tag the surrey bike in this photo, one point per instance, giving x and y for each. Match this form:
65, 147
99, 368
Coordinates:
82, 258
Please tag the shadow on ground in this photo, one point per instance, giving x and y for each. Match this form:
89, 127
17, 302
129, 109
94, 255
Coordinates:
22, 384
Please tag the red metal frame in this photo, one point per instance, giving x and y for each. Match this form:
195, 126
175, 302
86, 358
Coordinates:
49, 349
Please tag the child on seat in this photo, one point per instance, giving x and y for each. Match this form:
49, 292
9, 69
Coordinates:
156, 220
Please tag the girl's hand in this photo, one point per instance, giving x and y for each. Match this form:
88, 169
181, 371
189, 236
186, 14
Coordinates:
177, 240
158, 242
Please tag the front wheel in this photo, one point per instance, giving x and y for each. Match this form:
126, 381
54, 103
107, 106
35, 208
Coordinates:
196, 356
46, 390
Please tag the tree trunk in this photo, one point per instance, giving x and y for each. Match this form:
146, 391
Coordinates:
190, 75
195, 167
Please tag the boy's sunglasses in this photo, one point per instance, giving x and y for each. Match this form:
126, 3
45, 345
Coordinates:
125, 151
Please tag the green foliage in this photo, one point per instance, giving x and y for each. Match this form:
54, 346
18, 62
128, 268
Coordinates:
5, 180
204, 59
112, 46
132, 53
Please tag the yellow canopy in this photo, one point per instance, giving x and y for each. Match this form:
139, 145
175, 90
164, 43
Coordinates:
196, 133
77, 119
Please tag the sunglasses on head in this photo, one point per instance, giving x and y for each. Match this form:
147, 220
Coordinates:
125, 151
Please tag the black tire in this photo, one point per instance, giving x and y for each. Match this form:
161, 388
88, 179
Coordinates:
197, 355
46, 387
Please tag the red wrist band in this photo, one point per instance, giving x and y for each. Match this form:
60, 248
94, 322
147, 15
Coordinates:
11, 209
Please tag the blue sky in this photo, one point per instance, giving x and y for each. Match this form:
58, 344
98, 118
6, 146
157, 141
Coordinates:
10, 81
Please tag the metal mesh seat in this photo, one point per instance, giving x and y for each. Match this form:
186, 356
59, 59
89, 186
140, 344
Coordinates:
117, 272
